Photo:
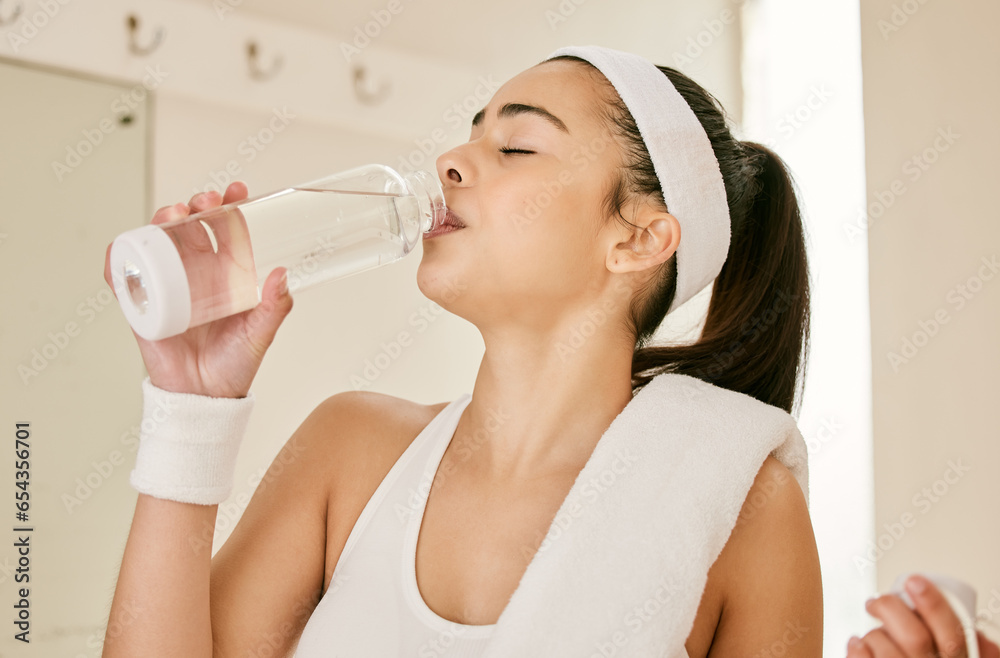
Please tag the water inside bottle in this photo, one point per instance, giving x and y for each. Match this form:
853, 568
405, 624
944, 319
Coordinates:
319, 235
219, 264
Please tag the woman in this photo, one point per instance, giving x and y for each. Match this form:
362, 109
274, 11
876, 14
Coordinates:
526, 269
526, 279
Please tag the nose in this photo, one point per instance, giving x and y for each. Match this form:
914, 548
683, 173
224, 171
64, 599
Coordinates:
452, 168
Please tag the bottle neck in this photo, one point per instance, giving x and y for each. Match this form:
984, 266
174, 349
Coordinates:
430, 198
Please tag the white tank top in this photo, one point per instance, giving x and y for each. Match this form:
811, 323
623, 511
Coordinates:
373, 608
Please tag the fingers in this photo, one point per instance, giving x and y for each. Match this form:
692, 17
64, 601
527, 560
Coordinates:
168, 213
902, 624
236, 191
882, 646
856, 648
231, 232
933, 608
204, 201
199, 202
265, 318
193, 236
107, 270
234, 231
987, 649
233, 235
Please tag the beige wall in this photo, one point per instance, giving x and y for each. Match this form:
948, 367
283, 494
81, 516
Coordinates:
934, 302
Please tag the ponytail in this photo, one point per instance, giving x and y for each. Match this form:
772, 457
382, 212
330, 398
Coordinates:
756, 332
756, 335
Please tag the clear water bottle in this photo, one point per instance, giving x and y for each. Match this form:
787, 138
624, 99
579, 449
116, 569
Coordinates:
183, 273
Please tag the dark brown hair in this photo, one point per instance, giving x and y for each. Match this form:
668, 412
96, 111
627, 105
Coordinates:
756, 334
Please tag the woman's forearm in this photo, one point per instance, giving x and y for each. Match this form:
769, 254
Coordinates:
161, 601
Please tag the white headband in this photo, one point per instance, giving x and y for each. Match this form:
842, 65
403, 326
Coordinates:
682, 157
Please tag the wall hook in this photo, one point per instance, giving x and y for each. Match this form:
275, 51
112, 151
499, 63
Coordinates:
133, 44
361, 88
256, 72
13, 17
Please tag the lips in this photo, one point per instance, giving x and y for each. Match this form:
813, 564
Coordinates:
451, 219
449, 224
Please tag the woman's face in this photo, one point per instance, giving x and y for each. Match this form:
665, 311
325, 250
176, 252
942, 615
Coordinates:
535, 243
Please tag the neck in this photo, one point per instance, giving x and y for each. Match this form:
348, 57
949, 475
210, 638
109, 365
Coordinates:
536, 409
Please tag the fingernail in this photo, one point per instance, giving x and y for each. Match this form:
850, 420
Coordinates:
916, 585
854, 642
869, 603
283, 284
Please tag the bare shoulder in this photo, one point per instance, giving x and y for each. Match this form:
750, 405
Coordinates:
363, 429
379, 414
767, 576
775, 501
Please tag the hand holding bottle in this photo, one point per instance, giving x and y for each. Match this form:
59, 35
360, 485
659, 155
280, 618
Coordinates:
218, 358
170, 276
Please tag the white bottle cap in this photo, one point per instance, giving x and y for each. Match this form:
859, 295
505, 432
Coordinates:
150, 282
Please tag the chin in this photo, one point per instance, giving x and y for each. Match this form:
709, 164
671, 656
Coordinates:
441, 285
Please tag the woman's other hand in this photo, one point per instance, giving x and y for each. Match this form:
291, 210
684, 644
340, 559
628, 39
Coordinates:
930, 631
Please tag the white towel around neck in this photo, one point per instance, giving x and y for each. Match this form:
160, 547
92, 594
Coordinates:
643, 522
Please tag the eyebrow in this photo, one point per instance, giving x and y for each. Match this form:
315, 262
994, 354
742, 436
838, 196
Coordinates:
514, 109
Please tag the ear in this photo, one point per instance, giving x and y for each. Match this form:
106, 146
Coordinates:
652, 241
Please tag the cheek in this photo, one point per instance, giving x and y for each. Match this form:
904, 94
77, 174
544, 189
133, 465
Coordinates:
539, 238
541, 209
548, 257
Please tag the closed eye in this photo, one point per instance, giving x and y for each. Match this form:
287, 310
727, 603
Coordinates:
504, 149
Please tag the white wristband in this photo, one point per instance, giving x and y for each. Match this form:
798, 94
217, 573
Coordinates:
188, 445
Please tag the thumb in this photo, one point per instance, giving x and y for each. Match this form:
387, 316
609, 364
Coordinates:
265, 318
